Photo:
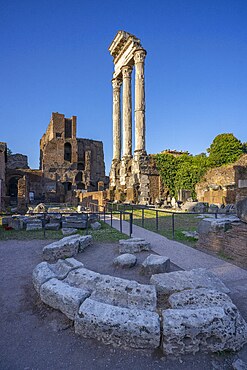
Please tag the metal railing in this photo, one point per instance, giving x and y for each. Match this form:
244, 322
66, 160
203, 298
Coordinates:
158, 213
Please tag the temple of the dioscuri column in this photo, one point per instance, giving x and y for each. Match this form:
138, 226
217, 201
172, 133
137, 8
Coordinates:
133, 176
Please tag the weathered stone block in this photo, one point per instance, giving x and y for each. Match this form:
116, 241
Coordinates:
207, 329
96, 225
33, 224
45, 271
154, 264
182, 280
52, 226
133, 245
63, 297
66, 247
83, 278
125, 260
213, 225
117, 325
125, 293
74, 224
241, 207
69, 231
195, 298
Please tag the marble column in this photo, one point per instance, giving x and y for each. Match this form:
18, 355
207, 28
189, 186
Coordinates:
140, 126
127, 112
116, 117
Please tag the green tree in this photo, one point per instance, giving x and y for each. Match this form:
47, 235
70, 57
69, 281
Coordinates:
244, 147
225, 148
167, 167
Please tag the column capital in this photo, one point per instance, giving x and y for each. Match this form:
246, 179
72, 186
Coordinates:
139, 55
126, 71
116, 83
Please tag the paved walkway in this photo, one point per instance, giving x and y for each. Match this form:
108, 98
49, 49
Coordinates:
188, 258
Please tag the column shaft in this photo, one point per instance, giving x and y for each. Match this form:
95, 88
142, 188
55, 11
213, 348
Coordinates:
140, 125
116, 118
127, 111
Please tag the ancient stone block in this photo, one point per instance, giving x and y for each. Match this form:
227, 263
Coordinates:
69, 231
154, 264
133, 245
125, 260
52, 226
84, 242
213, 225
242, 209
63, 297
182, 280
96, 225
45, 271
125, 293
79, 224
117, 325
195, 298
207, 329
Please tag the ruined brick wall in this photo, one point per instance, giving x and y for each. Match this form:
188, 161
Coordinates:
68, 163
17, 161
232, 243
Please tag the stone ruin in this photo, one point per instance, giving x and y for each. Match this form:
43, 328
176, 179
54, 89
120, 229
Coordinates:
180, 312
133, 178
69, 166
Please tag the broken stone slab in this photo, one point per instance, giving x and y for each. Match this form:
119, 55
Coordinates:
125, 260
241, 207
118, 326
61, 296
210, 329
80, 224
239, 365
52, 226
154, 264
69, 231
96, 225
208, 225
133, 245
34, 225
191, 234
84, 242
114, 290
202, 297
66, 247
178, 281
45, 271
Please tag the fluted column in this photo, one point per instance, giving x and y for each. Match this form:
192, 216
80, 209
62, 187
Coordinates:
140, 125
127, 112
116, 117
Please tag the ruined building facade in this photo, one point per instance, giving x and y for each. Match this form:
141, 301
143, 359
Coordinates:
68, 166
133, 176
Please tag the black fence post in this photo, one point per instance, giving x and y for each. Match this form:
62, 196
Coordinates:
157, 220
111, 218
121, 224
143, 210
43, 224
131, 224
104, 213
87, 225
173, 225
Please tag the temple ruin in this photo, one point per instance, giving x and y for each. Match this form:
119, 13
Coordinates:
133, 177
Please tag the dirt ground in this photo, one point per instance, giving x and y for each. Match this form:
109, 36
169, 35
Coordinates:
34, 336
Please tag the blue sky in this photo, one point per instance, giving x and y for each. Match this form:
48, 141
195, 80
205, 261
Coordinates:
54, 58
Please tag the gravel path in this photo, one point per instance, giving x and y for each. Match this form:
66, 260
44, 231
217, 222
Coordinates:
34, 336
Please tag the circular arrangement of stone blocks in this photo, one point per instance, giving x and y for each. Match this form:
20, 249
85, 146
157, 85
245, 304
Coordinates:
123, 312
